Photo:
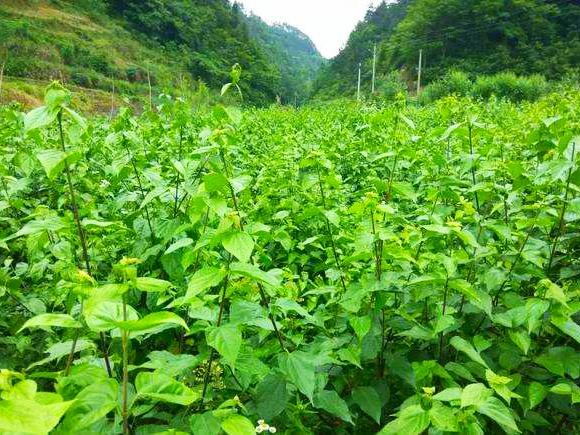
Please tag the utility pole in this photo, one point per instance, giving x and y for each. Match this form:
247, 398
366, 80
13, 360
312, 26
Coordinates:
358, 87
419, 73
374, 67
112, 99
150, 90
1, 79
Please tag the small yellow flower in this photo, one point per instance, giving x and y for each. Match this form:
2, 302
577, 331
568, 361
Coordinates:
84, 278
454, 224
130, 261
429, 390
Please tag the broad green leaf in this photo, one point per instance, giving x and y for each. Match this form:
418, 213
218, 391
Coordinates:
500, 385
254, 272
361, 325
369, 401
153, 285
299, 369
227, 340
203, 279
182, 243
240, 183
567, 326
463, 346
59, 350
39, 117
53, 161
152, 321
331, 402
24, 416
92, 404
46, 320
412, 420
536, 394
448, 395
106, 315
561, 361
168, 363
553, 291
474, 395
162, 388
521, 339
215, 182
443, 417
272, 396
498, 412
52, 223
238, 425
205, 424
239, 244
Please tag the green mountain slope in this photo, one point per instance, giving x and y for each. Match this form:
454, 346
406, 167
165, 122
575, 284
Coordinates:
293, 52
127, 44
476, 36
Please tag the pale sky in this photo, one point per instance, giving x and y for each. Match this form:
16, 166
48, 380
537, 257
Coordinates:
327, 22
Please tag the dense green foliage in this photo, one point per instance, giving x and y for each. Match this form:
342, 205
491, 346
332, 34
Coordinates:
475, 36
294, 53
342, 269
502, 85
170, 43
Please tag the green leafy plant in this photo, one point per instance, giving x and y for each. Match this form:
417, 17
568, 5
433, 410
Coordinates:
344, 269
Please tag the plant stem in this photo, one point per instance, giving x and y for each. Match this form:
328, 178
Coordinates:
207, 374
329, 229
469, 127
561, 221
178, 175
124, 344
443, 314
85, 251
138, 178
264, 299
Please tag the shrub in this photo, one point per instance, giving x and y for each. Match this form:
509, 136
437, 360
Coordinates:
453, 83
510, 86
390, 85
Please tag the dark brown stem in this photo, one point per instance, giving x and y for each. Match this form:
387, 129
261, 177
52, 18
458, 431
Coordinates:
138, 178
85, 252
561, 221
124, 344
469, 127
176, 203
207, 375
264, 299
329, 230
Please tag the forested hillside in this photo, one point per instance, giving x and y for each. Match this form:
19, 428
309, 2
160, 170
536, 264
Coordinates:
127, 44
293, 52
475, 36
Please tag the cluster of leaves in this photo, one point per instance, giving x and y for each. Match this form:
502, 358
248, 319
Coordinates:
344, 269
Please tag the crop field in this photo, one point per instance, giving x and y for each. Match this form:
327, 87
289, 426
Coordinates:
340, 269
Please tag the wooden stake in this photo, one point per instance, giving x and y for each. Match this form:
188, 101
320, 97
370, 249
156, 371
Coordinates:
112, 99
1, 80
150, 90
358, 87
374, 67
419, 72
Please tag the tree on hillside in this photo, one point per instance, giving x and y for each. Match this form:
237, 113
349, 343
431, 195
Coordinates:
487, 36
